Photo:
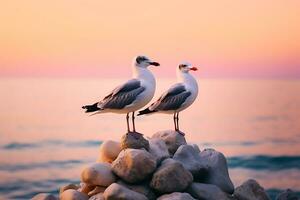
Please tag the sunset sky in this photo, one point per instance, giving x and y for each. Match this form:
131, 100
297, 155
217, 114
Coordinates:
94, 38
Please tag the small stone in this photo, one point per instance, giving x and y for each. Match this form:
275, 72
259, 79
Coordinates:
142, 188
96, 190
172, 138
109, 151
98, 174
287, 195
118, 192
98, 196
134, 165
170, 177
251, 190
208, 192
69, 186
85, 188
176, 196
44, 196
217, 170
72, 194
158, 149
189, 157
134, 140
196, 147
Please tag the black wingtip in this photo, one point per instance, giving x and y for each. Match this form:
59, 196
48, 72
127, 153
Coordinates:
91, 108
146, 111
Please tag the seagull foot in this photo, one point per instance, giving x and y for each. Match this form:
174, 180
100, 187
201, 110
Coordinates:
180, 132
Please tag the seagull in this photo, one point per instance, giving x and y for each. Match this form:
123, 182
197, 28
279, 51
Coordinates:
130, 96
178, 97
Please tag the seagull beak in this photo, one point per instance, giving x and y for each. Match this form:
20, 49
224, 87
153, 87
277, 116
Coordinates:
154, 63
194, 68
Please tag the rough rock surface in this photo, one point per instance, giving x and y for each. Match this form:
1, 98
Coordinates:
218, 170
109, 151
142, 188
195, 146
134, 165
171, 176
250, 190
72, 194
69, 186
172, 139
98, 174
98, 196
158, 149
116, 191
176, 196
207, 192
97, 190
44, 196
134, 140
287, 195
189, 157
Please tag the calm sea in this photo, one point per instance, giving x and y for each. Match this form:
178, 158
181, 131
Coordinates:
46, 139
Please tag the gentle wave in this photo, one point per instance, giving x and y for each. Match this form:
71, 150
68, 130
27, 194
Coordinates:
273, 192
264, 162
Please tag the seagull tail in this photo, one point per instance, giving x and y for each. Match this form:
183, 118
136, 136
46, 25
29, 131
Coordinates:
91, 108
146, 111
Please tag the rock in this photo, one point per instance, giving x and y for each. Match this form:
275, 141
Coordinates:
134, 140
196, 147
176, 196
134, 165
69, 186
172, 139
207, 192
72, 194
98, 196
158, 149
98, 174
142, 188
287, 195
85, 188
109, 151
96, 190
170, 177
189, 157
44, 196
217, 170
251, 190
118, 192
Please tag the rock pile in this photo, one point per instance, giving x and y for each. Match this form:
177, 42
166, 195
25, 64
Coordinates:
163, 167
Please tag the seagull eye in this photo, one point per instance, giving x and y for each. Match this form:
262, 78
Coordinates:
140, 59
182, 66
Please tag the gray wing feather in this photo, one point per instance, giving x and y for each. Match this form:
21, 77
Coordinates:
122, 96
172, 99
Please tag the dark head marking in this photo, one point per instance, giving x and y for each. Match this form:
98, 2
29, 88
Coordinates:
140, 59
181, 66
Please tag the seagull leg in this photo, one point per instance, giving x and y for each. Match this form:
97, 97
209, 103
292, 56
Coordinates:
127, 119
177, 120
174, 118
133, 124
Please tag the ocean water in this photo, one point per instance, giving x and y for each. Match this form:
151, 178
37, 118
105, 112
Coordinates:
46, 139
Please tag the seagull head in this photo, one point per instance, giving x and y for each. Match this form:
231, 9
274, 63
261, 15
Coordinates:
144, 62
185, 67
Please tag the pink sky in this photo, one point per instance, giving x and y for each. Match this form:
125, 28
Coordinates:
76, 38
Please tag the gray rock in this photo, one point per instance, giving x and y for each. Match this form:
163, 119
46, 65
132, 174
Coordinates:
251, 190
207, 192
98, 174
189, 157
44, 196
98, 196
196, 147
172, 139
134, 140
118, 192
142, 188
287, 195
171, 176
217, 170
134, 165
72, 194
158, 149
176, 196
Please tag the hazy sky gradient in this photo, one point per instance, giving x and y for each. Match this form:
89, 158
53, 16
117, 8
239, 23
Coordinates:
72, 38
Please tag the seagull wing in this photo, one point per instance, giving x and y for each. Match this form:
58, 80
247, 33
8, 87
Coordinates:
122, 95
171, 99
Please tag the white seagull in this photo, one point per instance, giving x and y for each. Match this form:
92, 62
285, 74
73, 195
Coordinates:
178, 97
130, 96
